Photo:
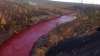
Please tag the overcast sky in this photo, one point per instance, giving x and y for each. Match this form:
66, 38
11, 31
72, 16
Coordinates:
84, 1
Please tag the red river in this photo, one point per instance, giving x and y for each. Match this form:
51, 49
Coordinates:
21, 44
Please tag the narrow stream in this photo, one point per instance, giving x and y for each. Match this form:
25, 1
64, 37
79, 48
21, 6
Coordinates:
21, 44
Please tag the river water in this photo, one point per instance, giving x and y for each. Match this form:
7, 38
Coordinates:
21, 44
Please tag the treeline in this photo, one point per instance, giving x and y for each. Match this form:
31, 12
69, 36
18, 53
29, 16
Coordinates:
25, 1
86, 11
20, 13
22, 1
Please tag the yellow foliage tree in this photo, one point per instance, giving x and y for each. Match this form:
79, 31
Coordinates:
20, 10
96, 11
3, 21
56, 10
25, 11
14, 22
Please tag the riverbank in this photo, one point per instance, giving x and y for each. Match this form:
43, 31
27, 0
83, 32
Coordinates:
64, 31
